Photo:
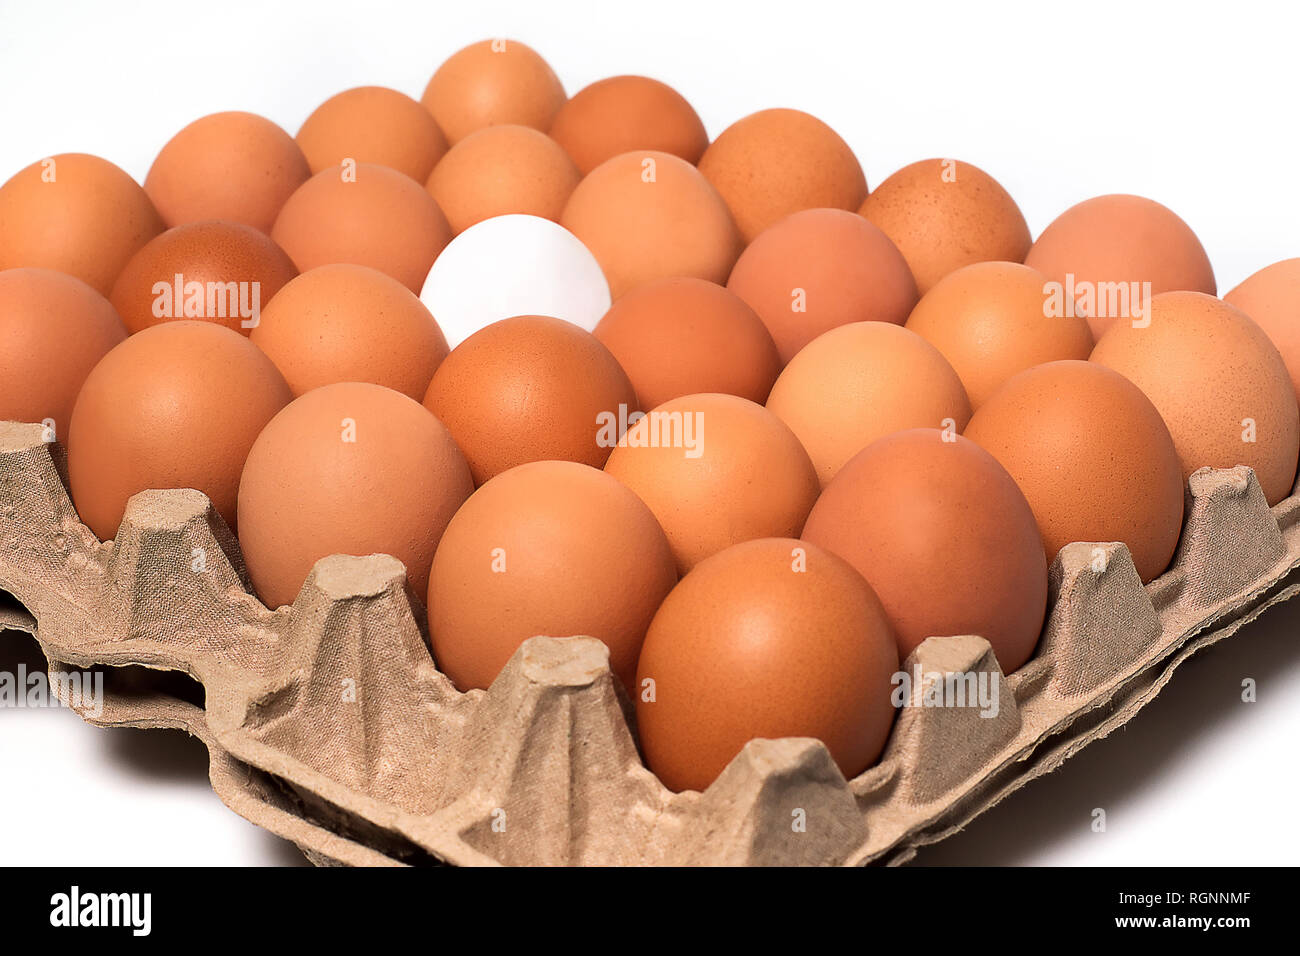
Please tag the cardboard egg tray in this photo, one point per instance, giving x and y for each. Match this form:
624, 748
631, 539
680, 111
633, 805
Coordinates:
328, 724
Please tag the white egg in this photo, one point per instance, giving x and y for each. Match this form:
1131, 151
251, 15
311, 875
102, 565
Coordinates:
514, 265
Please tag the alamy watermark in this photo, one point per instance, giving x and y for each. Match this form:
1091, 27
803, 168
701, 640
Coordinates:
81, 690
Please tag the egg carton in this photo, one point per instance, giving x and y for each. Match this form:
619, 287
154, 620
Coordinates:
328, 724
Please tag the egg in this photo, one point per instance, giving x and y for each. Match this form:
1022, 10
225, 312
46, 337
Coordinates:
348, 468
1271, 297
943, 215
769, 638
680, 336
716, 470
222, 272
777, 162
56, 328
501, 170
550, 547
1217, 381
77, 214
622, 114
369, 216
1120, 239
373, 124
1092, 456
346, 323
860, 382
819, 269
531, 388
490, 82
991, 320
175, 406
944, 536
236, 166
649, 215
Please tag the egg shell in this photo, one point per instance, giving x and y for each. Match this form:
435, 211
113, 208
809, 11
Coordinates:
716, 470
346, 323
769, 638
550, 547
1219, 383
860, 382
531, 388
77, 214
175, 406
1092, 456
819, 269
349, 468
944, 536
1271, 297
373, 124
491, 82
991, 320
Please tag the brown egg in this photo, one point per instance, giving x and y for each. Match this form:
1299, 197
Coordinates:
77, 214
1272, 298
623, 114
56, 328
943, 215
650, 215
235, 166
373, 124
716, 470
175, 406
490, 82
682, 336
1218, 382
860, 382
776, 162
1120, 239
550, 547
531, 388
1092, 456
369, 216
941, 532
222, 272
819, 269
770, 638
346, 323
991, 320
501, 170
349, 468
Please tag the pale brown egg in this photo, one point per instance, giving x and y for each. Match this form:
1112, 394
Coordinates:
368, 216
769, 638
531, 388
1218, 382
550, 547
1272, 298
991, 320
236, 166
346, 323
501, 170
222, 272
175, 406
490, 82
716, 470
860, 382
1092, 456
944, 536
820, 269
649, 215
349, 468
943, 215
77, 214
56, 328
776, 162
622, 114
681, 336
373, 124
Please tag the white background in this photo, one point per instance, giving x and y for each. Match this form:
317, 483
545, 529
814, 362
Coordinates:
1190, 104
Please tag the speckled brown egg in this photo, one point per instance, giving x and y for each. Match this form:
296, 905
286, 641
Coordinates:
490, 82
373, 124
1271, 297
